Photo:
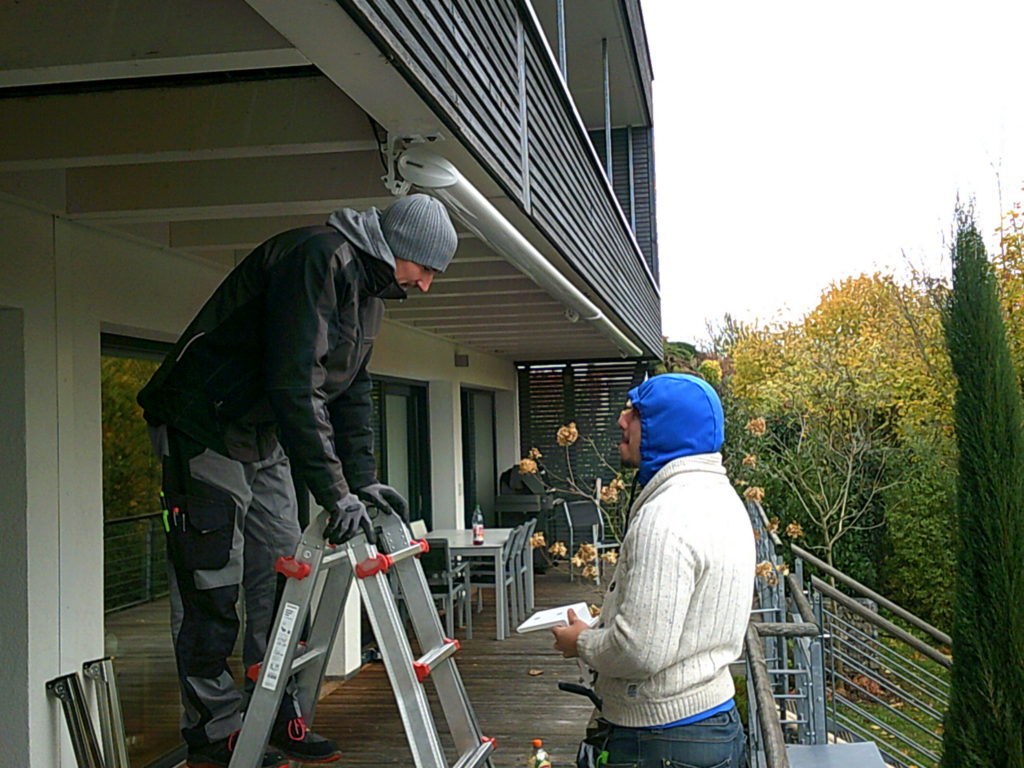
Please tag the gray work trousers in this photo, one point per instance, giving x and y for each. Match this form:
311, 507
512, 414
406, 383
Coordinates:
233, 520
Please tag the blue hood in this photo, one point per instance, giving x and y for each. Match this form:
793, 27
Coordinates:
680, 415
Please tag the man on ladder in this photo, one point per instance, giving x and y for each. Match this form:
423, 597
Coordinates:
273, 370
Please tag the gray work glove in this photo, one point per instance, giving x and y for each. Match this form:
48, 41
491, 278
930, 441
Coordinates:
386, 499
346, 518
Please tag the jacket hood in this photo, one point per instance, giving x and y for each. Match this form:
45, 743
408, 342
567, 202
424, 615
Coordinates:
362, 229
680, 415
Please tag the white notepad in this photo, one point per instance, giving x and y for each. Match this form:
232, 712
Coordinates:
556, 617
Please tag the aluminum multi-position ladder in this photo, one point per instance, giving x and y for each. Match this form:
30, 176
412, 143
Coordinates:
323, 574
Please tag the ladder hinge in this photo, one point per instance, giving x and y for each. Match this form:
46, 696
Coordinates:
292, 568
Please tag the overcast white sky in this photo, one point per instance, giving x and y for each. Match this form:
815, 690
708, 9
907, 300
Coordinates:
798, 142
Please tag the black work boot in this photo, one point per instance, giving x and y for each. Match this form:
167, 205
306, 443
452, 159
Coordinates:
218, 755
301, 744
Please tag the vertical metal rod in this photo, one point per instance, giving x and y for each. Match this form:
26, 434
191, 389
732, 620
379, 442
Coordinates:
561, 39
607, 110
632, 178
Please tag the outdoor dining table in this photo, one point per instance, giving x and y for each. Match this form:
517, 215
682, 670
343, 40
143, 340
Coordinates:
460, 542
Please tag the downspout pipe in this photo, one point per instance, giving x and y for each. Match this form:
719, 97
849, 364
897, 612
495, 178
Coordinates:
440, 178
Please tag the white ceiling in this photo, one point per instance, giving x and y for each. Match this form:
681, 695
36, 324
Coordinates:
198, 128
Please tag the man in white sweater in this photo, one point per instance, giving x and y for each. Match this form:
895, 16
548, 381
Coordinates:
676, 610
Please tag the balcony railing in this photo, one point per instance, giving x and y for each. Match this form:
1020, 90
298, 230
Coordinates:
134, 561
865, 669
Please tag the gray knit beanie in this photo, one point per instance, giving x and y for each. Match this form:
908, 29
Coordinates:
417, 228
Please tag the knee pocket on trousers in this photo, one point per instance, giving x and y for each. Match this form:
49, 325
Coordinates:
204, 533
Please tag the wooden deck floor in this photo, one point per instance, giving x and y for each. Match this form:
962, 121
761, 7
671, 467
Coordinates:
511, 705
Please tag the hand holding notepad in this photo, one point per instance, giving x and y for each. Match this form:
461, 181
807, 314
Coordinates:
557, 617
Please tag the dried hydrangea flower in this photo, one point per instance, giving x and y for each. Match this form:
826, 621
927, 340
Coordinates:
568, 434
537, 540
757, 427
611, 556
754, 493
535, 454
527, 467
750, 460
794, 530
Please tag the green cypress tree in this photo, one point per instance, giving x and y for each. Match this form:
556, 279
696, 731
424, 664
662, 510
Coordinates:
985, 722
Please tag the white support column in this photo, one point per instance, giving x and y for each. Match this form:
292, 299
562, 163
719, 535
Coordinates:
79, 454
14, 672
30, 642
446, 489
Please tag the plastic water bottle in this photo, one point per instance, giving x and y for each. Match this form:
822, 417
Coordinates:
539, 756
478, 526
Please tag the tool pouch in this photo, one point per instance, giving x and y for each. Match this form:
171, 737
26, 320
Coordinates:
201, 538
592, 752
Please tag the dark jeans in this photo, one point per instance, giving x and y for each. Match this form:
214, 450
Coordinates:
716, 742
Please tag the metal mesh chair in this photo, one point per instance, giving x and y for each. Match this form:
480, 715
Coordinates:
449, 584
524, 567
483, 576
586, 525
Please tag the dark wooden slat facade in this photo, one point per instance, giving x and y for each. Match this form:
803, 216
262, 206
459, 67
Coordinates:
633, 182
590, 394
484, 67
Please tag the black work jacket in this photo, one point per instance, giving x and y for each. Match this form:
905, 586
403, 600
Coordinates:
280, 351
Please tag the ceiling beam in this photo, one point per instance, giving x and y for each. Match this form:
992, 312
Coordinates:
253, 118
501, 331
527, 295
66, 41
130, 69
269, 186
490, 325
441, 314
511, 287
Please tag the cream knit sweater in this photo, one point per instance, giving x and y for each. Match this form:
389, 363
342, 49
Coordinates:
677, 608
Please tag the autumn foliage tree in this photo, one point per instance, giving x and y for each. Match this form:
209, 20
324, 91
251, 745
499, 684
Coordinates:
856, 398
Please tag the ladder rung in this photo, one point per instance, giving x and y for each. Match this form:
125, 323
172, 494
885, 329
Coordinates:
479, 755
415, 549
300, 661
334, 556
429, 660
381, 563
789, 671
